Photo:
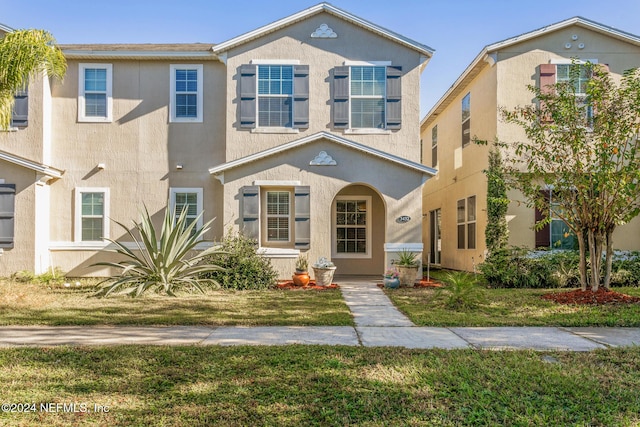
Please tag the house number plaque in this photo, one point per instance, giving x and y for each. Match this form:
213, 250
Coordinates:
403, 219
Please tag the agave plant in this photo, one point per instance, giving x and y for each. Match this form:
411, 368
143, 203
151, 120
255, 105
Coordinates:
161, 263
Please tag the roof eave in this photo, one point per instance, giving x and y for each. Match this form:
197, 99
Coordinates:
49, 171
322, 7
142, 55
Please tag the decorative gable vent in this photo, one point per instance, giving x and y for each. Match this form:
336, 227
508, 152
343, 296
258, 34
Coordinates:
324, 32
323, 159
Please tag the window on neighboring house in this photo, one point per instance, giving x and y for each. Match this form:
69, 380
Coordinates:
352, 226
434, 146
95, 97
20, 113
367, 97
189, 199
186, 93
275, 96
466, 120
92, 210
466, 219
7, 215
278, 216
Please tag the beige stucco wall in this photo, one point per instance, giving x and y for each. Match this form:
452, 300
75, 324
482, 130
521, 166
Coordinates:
398, 189
140, 150
22, 255
322, 55
460, 169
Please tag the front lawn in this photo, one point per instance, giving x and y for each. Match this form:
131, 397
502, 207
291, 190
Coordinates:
512, 307
317, 385
39, 304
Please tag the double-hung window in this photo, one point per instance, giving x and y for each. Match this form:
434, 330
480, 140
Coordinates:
466, 120
91, 214
189, 200
275, 96
368, 97
278, 216
95, 93
578, 75
186, 93
466, 219
434, 146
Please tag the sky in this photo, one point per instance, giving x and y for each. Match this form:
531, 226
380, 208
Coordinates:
457, 29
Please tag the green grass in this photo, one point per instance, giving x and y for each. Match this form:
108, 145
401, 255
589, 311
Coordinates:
321, 385
511, 307
38, 304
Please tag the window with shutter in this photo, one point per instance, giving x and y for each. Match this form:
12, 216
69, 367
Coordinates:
274, 96
367, 97
95, 93
7, 215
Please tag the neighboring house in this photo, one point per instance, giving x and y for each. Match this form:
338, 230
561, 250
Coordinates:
304, 134
454, 202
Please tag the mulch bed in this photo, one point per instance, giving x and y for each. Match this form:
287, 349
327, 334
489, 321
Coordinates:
601, 296
289, 285
424, 283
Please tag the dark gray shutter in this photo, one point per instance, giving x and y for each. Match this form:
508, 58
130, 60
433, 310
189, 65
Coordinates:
301, 96
7, 214
341, 97
248, 94
394, 97
302, 209
251, 211
20, 116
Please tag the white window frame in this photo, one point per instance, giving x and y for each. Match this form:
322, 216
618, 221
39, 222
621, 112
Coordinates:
334, 228
465, 120
265, 225
173, 191
199, 95
466, 221
77, 231
434, 145
280, 96
82, 117
383, 97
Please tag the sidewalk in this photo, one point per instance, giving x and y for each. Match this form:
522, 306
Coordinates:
378, 323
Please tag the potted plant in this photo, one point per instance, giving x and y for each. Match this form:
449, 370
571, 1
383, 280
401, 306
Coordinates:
407, 266
301, 276
323, 271
391, 278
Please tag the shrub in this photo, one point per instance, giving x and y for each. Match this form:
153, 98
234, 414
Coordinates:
462, 291
53, 276
244, 267
162, 265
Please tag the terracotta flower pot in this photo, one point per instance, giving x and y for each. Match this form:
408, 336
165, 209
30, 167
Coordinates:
301, 278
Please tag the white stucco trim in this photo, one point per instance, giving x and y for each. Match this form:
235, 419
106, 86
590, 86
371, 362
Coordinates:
275, 61
48, 171
566, 61
82, 117
106, 245
366, 131
313, 10
417, 167
367, 63
276, 183
274, 130
399, 247
278, 252
77, 216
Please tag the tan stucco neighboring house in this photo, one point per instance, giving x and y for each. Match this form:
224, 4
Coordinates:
303, 133
454, 202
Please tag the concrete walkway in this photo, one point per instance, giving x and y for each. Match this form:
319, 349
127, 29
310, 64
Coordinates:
378, 323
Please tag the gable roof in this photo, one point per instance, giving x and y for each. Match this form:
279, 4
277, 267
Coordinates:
417, 167
195, 51
485, 56
313, 10
5, 28
46, 170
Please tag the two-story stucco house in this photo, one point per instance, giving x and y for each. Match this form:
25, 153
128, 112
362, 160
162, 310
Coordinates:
454, 202
303, 133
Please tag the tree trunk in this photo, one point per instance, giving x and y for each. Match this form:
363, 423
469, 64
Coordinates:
608, 259
582, 267
595, 255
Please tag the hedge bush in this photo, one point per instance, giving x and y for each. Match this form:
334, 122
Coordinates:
244, 267
524, 268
